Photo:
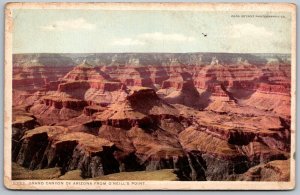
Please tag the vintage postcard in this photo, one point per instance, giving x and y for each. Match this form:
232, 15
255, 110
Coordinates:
139, 96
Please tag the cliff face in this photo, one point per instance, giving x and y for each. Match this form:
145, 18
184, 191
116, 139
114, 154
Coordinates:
205, 120
185, 94
143, 132
33, 78
68, 150
275, 170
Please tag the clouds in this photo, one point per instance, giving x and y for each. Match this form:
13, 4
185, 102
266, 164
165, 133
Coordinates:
171, 37
67, 25
147, 31
155, 37
255, 38
127, 42
247, 29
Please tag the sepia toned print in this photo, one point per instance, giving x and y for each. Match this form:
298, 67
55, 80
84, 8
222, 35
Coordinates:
149, 96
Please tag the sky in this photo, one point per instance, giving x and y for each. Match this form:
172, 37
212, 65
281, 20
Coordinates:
104, 31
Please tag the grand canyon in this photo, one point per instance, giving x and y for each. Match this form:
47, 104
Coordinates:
152, 116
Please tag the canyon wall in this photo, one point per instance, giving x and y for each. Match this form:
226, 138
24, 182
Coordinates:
204, 116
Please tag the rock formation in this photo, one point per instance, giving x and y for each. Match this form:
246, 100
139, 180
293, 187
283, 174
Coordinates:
174, 116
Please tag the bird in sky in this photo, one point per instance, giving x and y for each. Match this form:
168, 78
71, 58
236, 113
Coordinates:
204, 34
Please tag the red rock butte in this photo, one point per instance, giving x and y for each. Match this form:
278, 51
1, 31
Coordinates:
205, 116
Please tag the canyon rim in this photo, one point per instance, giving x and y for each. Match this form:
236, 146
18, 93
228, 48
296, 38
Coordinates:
149, 96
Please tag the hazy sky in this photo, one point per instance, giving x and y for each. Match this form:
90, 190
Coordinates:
85, 31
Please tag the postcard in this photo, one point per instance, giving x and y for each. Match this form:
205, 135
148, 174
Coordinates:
150, 96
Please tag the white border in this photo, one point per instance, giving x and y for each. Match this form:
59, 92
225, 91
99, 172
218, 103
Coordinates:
159, 185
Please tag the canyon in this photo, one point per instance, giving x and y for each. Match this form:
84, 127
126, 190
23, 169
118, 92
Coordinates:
167, 116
